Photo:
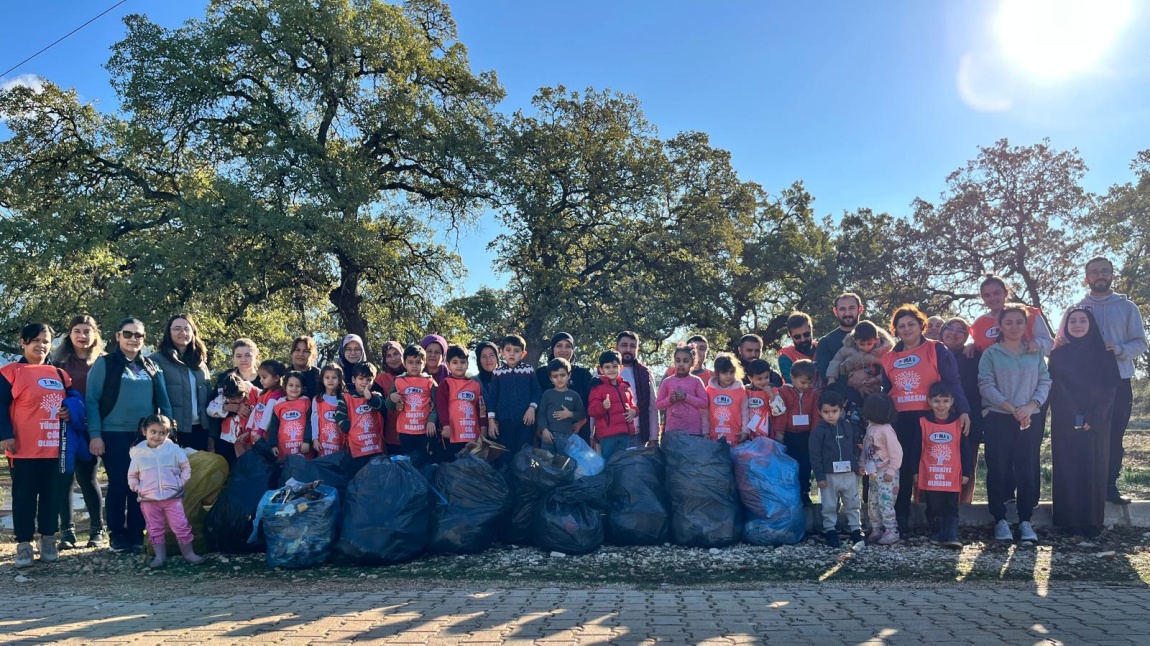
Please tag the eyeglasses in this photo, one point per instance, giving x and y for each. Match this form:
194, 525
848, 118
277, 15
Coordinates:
132, 335
1100, 272
800, 337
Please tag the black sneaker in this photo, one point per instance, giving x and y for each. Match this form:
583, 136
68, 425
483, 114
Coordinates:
832, 538
98, 539
125, 544
67, 539
857, 537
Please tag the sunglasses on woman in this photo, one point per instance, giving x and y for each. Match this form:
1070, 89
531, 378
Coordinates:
132, 335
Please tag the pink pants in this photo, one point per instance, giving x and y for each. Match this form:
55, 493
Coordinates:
173, 510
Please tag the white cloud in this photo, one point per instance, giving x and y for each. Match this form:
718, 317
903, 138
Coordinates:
981, 84
25, 80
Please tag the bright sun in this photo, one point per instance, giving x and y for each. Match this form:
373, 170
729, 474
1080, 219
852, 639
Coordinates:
1059, 37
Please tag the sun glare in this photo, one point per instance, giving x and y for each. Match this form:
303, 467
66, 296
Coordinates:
1053, 38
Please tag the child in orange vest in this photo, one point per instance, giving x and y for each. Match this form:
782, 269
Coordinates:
727, 401
946, 464
358, 416
271, 375
328, 437
233, 406
459, 407
762, 400
412, 396
801, 413
290, 431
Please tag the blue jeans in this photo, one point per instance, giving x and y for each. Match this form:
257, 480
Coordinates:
609, 445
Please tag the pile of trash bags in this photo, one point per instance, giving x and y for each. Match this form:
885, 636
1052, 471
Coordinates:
299, 522
768, 486
691, 491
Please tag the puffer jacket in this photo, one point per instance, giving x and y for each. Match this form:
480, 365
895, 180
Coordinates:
160, 473
850, 358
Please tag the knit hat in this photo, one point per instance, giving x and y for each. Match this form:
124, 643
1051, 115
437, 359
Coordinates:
434, 338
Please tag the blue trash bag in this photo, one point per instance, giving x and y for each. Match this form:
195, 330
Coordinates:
705, 510
386, 513
768, 485
587, 461
300, 533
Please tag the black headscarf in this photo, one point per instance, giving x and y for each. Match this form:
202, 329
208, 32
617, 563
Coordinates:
485, 375
1083, 366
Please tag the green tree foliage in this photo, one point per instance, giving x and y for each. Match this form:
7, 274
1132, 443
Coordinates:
1018, 211
279, 157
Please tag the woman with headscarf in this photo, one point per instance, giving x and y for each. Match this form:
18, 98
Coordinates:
487, 358
436, 347
563, 347
1084, 379
351, 353
384, 380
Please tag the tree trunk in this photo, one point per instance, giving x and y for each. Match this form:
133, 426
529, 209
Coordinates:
347, 300
536, 342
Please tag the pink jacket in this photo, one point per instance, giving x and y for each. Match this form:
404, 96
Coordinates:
689, 415
160, 473
882, 453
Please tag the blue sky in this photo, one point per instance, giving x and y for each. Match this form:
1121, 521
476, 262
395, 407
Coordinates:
870, 104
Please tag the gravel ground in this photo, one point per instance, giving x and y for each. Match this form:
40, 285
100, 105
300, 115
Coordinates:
1118, 557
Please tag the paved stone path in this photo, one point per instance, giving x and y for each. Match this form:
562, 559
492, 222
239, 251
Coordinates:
1076, 615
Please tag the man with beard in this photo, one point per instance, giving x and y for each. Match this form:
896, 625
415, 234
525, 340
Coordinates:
750, 348
848, 309
1120, 322
642, 385
802, 343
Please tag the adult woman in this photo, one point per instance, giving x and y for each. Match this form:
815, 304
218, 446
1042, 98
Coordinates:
436, 348
955, 333
392, 368
351, 352
245, 362
182, 358
984, 331
563, 347
1014, 384
123, 387
75, 356
303, 356
31, 420
487, 358
909, 369
1084, 380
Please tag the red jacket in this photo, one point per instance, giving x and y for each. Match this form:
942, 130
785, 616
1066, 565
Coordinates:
797, 405
610, 422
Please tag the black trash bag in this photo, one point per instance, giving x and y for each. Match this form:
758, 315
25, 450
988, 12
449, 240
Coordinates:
300, 533
638, 512
705, 508
477, 500
534, 472
334, 470
571, 516
386, 513
229, 522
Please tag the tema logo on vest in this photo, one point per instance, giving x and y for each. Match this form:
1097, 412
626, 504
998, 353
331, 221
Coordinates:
992, 332
723, 400
467, 395
941, 437
292, 415
50, 384
906, 362
329, 416
756, 402
362, 409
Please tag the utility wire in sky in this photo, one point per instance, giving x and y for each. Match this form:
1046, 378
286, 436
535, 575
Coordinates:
61, 39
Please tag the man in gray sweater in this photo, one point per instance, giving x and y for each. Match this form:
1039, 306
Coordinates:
1121, 325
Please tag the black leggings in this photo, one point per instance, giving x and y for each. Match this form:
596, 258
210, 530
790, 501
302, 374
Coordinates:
1013, 456
36, 485
909, 434
85, 476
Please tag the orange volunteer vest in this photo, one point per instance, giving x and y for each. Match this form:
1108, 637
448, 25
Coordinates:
329, 438
911, 373
366, 434
759, 409
38, 393
417, 404
463, 397
984, 330
292, 416
940, 468
725, 408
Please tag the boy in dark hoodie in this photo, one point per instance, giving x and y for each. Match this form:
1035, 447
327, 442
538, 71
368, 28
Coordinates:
835, 461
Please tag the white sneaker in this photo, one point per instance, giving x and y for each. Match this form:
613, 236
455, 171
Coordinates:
1002, 531
1026, 532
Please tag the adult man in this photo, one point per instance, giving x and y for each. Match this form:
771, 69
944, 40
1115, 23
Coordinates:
848, 309
642, 385
750, 348
699, 368
1121, 325
802, 343
303, 356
